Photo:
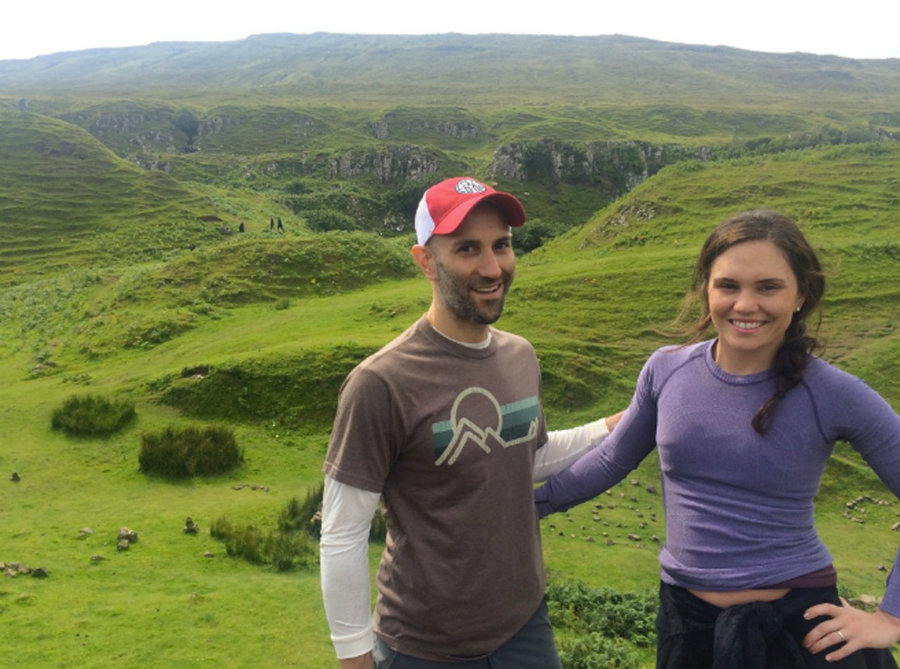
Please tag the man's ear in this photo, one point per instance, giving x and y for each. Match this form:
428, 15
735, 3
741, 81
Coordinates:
425, 259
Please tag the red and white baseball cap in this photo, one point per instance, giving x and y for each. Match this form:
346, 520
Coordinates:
446, 204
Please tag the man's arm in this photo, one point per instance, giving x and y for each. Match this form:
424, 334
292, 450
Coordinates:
346, 518
564, 447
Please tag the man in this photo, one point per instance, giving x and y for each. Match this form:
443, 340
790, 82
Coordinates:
445, 424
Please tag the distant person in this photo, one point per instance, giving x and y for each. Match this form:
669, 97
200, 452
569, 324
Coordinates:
241, 227
445, 424
271, 223
280, 226
744, 424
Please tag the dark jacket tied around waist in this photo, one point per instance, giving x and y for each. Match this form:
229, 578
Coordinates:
694, 634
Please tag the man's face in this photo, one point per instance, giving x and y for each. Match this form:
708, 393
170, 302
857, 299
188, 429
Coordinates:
475, 266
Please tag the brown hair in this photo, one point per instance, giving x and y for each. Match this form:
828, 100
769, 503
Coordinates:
792, 355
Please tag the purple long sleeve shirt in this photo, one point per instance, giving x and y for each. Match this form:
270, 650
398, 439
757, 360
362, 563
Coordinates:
739, 505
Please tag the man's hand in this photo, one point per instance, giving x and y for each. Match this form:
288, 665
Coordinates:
612, 421
852, 629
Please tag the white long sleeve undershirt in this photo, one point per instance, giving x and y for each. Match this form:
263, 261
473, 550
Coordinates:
347, 516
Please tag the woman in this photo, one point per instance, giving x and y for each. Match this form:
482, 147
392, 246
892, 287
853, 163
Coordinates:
744, 424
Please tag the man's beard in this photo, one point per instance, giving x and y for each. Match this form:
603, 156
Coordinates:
454, 291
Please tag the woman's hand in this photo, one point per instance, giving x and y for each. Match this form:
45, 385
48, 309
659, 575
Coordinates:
853, 628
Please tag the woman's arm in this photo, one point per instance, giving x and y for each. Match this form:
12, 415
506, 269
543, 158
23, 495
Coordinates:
604, 466
564, 447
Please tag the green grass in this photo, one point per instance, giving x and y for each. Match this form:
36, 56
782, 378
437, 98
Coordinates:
593, 302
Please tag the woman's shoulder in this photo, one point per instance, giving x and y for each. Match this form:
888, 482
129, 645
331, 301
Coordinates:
820, 372
667, 361
831, 383
675, 355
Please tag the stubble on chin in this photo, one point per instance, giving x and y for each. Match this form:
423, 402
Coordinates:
457, 298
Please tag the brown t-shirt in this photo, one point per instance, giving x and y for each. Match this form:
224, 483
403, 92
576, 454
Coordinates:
447, 434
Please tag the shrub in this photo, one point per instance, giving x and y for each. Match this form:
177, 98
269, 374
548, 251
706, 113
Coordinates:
285, 547
183, 452
626, 615
92, 416
286, 550
186, 121
597, 650
600, 627
294, 540
308, 516
323, 220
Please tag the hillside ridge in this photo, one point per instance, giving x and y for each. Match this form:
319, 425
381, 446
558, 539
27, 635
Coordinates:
484, 69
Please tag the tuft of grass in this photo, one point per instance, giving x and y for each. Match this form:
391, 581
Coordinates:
182, 452
92, 415
287, 546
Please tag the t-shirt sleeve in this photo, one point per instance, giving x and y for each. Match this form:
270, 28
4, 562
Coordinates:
365, 438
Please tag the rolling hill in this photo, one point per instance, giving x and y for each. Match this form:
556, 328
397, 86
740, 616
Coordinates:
123, 274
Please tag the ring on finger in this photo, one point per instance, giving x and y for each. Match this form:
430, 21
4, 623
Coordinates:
841, 634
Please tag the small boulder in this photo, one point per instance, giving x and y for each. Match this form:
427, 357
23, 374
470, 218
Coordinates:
129, 535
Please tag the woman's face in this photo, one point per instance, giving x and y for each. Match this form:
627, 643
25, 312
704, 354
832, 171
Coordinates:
753, 294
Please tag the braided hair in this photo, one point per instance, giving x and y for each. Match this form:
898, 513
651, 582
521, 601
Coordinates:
791, 357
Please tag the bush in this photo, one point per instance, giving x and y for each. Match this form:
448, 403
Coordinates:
92, 416
601, 627
308, 516
597, 650
184, 452
186, 121
294, 540
626, 615
284, 547
535, 234
286, 550
324, 220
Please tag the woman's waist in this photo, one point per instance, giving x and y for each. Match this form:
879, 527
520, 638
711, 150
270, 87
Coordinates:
818, 578
726, 598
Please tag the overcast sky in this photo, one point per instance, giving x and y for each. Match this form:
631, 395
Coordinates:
858, 29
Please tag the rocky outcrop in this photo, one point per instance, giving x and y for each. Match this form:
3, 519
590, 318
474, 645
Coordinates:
128, 129
391, 125
390, 165
620, 166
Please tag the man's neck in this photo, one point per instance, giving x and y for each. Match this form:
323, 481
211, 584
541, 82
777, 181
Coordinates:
453, 328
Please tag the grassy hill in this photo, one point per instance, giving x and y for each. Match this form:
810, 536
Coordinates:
66, 199
592, 303
344, 131
123, 275
480, 69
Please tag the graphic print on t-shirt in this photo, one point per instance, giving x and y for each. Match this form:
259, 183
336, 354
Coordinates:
477, 419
